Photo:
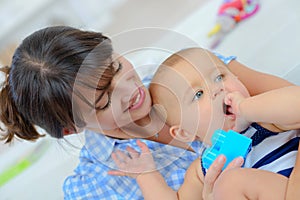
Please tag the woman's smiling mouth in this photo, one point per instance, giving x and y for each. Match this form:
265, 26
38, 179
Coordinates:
137, 100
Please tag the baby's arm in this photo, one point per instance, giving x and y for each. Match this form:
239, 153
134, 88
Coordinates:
142, 167
279, 107
293, 191
247, 183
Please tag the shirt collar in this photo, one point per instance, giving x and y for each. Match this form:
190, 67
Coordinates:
197, 146
101, 147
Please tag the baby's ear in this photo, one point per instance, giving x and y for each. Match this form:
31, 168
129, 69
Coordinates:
179, 134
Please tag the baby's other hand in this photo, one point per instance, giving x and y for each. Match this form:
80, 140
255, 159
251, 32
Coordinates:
213, 173
133, 163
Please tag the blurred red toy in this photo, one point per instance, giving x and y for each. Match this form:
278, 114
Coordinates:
231, 13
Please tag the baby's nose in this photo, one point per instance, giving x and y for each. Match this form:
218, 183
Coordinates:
217, 92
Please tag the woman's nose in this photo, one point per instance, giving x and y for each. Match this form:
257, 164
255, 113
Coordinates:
126, 88
122, 80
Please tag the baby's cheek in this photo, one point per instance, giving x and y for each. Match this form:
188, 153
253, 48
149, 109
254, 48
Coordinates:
242, 89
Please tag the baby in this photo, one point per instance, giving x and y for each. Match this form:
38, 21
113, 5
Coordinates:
197, 94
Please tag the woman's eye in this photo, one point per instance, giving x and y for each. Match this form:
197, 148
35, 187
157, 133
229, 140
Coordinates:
106, 105
219, 78
119, 67
105, 98
198, 95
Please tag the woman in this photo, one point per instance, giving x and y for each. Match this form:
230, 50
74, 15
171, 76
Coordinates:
65, 80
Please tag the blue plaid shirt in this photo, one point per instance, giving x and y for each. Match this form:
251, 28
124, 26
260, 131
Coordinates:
91, 180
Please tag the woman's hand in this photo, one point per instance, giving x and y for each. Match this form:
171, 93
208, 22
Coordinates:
133, 163
213, 173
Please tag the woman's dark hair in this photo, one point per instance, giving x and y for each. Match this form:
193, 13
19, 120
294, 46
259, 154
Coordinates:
40, 82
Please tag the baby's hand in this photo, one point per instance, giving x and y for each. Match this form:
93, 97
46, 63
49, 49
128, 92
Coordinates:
214, 172
133, 163
234, 99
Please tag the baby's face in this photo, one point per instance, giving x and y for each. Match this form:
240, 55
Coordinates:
198, 85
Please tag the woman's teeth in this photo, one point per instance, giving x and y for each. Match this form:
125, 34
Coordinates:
137, 99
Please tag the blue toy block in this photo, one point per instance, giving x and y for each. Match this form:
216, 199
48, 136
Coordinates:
230, 143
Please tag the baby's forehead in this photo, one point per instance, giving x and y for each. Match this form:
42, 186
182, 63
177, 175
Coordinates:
188, 64
199, 58
196, 66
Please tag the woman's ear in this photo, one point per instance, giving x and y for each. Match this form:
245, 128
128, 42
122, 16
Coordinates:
181, 135
68, 131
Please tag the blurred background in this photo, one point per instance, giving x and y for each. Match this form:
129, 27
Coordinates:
267, 41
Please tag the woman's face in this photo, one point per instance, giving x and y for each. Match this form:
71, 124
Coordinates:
125, 101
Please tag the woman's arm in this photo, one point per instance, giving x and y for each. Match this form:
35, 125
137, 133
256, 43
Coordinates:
256, 82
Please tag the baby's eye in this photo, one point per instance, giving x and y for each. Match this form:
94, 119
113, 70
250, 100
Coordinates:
219, 78
198, 95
